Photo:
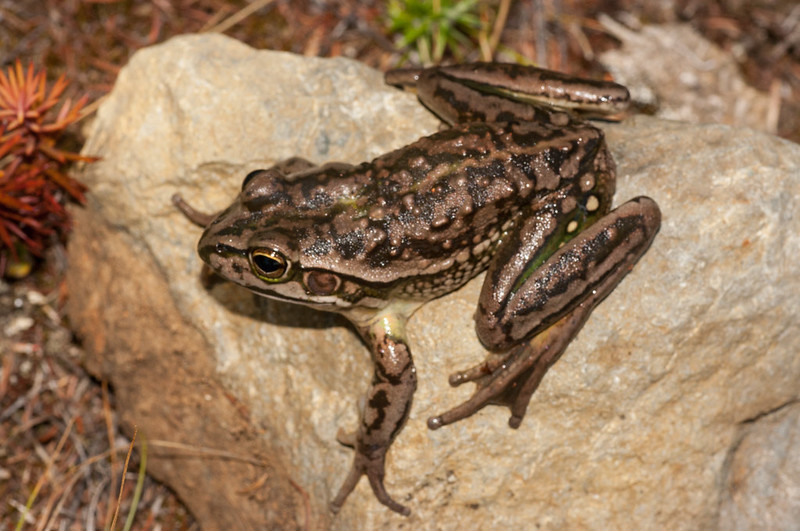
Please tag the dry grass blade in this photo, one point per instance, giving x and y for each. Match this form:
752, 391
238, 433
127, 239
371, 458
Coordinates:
499, 24
122, 483
109, 424
239, 16
137, 494
306, 503
61, 494
46, 475
210, 452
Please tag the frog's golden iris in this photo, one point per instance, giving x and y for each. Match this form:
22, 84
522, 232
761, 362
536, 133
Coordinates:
268, 264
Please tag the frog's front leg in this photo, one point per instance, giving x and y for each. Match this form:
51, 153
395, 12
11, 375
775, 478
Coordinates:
201, 219
385, 409
549, 304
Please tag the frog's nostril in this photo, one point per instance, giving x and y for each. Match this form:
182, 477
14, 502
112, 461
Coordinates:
208, 249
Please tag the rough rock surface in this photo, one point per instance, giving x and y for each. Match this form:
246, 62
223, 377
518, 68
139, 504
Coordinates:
762, 477
692, 80
635, 426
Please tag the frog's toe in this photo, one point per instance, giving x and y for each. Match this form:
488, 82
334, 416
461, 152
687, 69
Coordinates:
487, 367
376, 482
346, 438
348, 486
374, 469
482, 397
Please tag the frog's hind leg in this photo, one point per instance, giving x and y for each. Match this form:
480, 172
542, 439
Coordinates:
542, 313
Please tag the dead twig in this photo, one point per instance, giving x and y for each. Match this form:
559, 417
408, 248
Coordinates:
124, 475
239, 16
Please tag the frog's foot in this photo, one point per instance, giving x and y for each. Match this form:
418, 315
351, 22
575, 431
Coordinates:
510, 379
374, 468
497, 384
201, 219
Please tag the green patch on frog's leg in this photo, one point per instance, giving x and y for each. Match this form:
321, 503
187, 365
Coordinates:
523, 255
587, 267
495, 91
385, 410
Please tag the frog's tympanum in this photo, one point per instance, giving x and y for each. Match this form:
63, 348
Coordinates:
518, 186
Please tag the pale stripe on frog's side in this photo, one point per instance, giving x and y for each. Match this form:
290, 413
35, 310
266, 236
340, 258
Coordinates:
518, 186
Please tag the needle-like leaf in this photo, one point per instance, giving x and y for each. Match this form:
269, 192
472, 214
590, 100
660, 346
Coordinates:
34, 183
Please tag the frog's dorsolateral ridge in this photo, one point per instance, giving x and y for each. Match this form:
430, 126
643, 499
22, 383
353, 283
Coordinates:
519, 185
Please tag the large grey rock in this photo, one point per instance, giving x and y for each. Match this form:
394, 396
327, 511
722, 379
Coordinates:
631, 429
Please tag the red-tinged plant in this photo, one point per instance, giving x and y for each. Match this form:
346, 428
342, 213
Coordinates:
34, 185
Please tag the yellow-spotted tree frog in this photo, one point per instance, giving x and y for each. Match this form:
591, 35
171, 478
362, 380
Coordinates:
519, 185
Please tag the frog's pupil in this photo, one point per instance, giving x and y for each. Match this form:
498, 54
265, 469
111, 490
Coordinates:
266, 264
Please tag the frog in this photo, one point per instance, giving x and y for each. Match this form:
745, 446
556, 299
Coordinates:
517, 184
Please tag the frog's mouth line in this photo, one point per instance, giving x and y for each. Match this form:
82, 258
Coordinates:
329, 303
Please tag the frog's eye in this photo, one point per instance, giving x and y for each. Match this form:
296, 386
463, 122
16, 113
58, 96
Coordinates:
249, 177
268, 264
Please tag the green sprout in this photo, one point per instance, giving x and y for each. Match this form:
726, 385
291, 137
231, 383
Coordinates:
434, 26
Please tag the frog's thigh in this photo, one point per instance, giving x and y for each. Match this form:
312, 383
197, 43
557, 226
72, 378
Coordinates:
587, 268
595, 262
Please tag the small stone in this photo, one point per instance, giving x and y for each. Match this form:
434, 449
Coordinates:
36, 298
18, 325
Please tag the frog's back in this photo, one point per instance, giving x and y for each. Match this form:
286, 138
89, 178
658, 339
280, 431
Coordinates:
426, 218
